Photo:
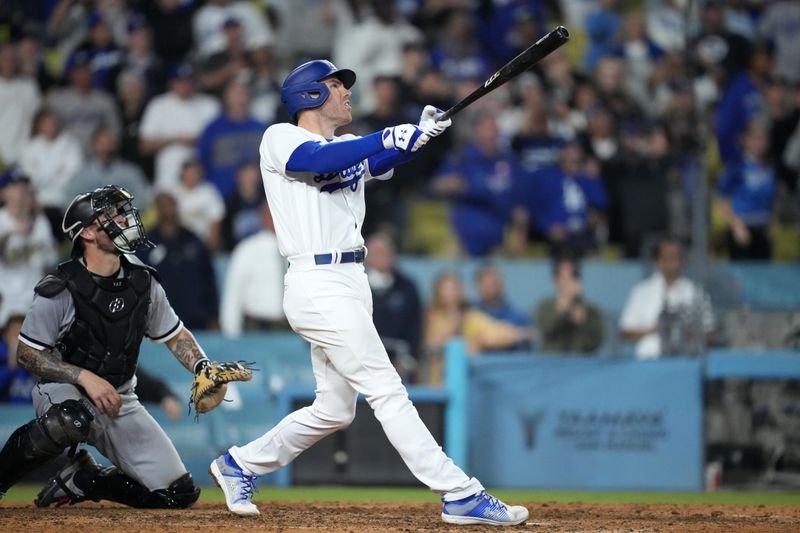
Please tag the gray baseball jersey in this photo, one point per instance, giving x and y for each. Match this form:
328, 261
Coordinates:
133, 440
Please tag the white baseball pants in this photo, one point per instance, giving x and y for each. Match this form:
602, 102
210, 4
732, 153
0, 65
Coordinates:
331, 307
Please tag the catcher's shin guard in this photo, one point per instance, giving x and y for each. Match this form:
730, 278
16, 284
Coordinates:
43, 439
115, 485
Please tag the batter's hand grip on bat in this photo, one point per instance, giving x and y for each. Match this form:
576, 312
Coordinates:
532, 55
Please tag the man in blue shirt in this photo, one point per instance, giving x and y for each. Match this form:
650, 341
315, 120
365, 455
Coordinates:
480, 180
563, 202
230, 140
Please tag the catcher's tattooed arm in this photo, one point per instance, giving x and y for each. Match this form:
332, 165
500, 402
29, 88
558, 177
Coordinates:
45, 364
186, 349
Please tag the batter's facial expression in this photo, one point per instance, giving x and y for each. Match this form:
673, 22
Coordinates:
337, 107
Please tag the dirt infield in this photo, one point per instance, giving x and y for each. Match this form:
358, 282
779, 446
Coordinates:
289, 517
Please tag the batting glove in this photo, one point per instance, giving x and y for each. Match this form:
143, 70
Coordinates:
429, 124
405, 138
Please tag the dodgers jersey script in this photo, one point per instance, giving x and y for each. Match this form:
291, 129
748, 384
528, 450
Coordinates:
312, 212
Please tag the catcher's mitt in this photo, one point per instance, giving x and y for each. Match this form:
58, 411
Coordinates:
211, 380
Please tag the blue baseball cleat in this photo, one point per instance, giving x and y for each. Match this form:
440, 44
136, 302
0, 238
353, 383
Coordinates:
482, 508
237, 486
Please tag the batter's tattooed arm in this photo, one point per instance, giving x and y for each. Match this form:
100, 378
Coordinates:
186, 349
47, 365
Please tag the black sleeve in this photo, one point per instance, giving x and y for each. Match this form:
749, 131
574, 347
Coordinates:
150, 388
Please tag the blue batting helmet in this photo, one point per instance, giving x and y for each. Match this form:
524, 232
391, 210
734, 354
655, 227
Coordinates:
302, 82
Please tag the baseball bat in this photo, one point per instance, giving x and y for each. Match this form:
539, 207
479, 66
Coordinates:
532, 55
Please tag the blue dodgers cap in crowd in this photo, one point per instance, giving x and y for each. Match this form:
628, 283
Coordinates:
78, 59
231, 22
136, 22
13, 174
182, 71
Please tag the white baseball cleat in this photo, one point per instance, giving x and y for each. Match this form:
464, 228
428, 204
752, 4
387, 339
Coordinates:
482, 508
237, 486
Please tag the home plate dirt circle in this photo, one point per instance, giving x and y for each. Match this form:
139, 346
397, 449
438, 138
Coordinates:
289, 517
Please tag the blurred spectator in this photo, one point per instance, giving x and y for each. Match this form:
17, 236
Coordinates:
456, 50
308, 28
385, 202
480, 180
200, 205
747, 192
373, 46
667, 22
227, 64
783, 119
721, 53
16, 383
70, 22
27, 247
533, 142
141, 60
151, 389
448, 316
19, 100
609, 75
567, 323
31, 60
264, 87
184, 266
638, 183
396, 307
171, 23
565, 204
172, 122
602, 26
131, 100
741, 102
51, 159
209, 25
230, 140
639, 54
105, 57
104, 167
600, 139
82, 107
253, 296
243, 208
507, 28
492, 299
780, 25
666, 313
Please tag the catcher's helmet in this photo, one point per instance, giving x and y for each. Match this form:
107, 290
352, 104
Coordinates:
89, 207
302, 88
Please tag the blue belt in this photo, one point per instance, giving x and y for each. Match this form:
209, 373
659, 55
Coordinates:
356, 256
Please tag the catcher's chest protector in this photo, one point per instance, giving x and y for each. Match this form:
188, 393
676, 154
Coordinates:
110, 320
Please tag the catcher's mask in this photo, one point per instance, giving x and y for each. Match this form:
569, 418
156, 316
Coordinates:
111, 207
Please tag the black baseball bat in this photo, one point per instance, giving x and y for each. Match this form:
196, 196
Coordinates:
532, 55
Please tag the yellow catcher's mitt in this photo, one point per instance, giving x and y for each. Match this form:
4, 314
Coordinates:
211, 380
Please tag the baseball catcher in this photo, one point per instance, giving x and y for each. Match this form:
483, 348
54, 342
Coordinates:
81, 337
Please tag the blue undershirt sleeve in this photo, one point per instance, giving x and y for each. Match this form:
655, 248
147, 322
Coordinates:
383, 162
333, 157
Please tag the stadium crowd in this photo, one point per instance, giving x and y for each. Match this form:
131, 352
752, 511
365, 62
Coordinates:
598, 150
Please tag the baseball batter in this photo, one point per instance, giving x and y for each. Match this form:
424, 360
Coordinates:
314, 183
81, 337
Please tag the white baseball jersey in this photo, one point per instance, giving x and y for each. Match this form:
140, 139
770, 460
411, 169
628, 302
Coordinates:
312, 212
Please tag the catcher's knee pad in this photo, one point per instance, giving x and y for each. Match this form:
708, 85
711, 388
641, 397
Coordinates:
180, 494
63, 425
42, 439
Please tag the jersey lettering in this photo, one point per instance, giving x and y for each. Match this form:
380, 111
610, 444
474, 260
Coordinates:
347, 178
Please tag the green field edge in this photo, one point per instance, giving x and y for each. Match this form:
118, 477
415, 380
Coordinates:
26, 494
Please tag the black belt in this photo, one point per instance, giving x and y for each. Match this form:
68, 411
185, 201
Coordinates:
356, 256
